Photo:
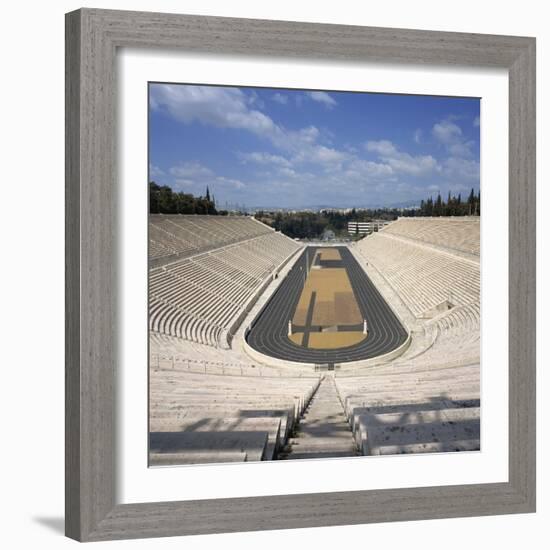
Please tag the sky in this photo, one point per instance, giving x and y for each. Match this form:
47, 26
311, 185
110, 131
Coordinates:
265, 147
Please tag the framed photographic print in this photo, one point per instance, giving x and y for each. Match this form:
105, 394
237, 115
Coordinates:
300, 275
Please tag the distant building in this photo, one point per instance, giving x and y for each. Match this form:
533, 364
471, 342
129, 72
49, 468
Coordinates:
366, 228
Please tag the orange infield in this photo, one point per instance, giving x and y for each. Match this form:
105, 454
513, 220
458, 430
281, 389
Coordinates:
329, 254
326, 303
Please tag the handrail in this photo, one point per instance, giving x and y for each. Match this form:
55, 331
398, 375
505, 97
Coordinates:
202, 366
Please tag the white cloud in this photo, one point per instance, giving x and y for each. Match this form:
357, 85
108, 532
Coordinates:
476, 122
191, 170
303, 150
307, 135
300, 146
417, 136
288, 172
264, 158
321, 154
194, 176
413, 165
447, 132
280, 98
216, 106
450, 135
230, 108
460, 149
455, 168
324, 98
233, 108
383, 147
368, 168
254, 99
400, 161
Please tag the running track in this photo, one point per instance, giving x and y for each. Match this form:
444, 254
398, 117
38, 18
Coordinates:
268, 333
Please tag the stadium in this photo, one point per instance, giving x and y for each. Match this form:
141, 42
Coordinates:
263, 347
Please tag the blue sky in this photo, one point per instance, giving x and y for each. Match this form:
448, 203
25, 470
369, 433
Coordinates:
300, 149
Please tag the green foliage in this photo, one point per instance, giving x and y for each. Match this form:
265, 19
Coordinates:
454, 206
307, 224
162, 200
311, 225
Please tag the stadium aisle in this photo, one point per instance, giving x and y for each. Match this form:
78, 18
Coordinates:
323, 431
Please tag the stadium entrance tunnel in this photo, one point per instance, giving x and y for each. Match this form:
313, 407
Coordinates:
326, 311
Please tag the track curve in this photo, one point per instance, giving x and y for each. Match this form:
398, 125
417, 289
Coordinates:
268, 332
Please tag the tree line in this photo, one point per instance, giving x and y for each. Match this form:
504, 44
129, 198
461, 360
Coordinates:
454, 206
162, 200
311, 225
308, 224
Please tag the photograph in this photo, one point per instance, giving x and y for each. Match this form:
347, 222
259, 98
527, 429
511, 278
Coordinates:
313, 274
275, 283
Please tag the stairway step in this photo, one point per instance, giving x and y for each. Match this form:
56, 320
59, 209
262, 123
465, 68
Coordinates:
320, 454
323, 431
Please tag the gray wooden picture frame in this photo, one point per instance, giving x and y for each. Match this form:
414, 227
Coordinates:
92, 39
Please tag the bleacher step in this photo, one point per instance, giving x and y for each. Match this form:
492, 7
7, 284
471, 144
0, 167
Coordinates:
441, 430
180, 447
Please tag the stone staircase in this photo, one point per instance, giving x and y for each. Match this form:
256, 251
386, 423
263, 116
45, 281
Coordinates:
323, 431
